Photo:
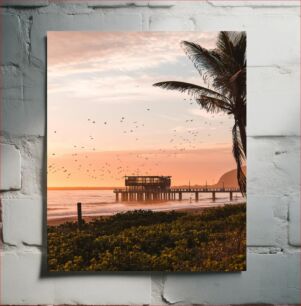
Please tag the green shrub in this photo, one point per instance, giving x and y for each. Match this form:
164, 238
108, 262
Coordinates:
214, 240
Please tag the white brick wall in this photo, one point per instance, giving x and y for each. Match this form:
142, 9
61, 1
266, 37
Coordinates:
23, 222
24, 3
10, 171
24, 284
12, 50
273, 274
269, 279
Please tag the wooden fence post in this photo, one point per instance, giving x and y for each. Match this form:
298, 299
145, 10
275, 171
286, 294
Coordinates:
79, 215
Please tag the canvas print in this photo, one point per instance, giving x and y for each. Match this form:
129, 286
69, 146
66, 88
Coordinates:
146, 166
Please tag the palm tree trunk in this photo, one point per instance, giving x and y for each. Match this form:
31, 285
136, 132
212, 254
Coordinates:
243, 135
243, 139
238, 153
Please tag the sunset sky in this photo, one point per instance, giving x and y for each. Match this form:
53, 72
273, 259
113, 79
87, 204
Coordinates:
106, 120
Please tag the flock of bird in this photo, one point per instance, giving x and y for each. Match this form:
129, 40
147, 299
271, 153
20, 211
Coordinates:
145, 163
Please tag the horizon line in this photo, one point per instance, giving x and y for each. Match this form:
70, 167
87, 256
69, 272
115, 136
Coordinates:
108, 187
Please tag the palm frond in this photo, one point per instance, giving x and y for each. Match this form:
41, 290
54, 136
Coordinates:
232, 47
214, 105
191, 89
240, 43
224, 43
222, 63
222, 84
205, 61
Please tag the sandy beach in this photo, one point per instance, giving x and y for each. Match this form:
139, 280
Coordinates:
59, 221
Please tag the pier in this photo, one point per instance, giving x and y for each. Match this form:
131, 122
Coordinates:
157, 188
171, 194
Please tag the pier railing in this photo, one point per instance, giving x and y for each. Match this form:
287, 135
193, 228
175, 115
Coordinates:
130, 194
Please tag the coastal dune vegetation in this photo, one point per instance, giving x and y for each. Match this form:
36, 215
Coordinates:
213, 239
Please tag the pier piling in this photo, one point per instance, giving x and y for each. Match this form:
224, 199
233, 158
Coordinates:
196, 196
169, 194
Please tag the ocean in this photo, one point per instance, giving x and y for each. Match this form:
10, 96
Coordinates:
63, 203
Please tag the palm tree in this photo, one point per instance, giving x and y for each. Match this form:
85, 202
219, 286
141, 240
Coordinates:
224, 70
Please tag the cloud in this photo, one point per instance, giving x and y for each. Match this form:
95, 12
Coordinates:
74, 52
120, 89
118, 68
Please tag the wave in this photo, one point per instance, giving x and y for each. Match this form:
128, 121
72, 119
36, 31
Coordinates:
64, 204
